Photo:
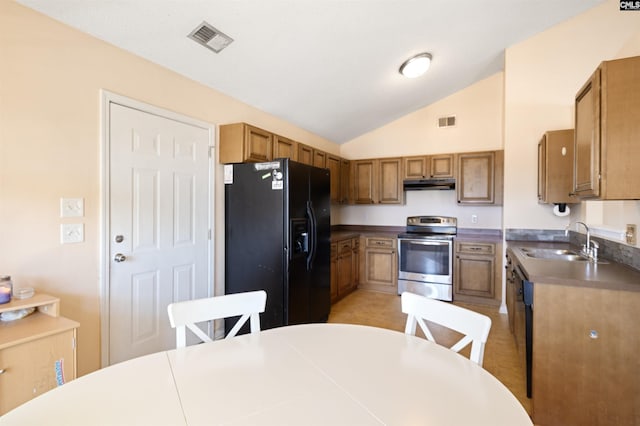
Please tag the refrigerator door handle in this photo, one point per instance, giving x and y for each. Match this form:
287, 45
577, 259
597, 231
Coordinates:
313, 236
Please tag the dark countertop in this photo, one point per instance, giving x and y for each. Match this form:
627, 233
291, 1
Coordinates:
343, 235
610, 275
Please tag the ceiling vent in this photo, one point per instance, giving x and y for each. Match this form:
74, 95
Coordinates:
447, 121
210, 37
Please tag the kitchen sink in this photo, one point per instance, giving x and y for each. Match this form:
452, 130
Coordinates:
554, 254
566, 255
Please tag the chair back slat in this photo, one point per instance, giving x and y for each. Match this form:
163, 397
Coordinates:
184, 315
474, 326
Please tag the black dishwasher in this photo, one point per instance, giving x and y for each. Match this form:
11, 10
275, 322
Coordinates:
527, 295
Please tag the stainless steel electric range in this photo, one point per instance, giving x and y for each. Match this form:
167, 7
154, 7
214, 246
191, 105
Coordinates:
425, 256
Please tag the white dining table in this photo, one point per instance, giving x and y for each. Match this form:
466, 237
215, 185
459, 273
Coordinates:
313, 374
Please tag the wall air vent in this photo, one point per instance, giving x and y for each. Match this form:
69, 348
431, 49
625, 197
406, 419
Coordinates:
447, 121
210, 37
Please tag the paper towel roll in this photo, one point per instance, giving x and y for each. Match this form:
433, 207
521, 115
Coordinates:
557, 212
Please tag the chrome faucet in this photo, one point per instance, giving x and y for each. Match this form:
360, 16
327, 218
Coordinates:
590, 249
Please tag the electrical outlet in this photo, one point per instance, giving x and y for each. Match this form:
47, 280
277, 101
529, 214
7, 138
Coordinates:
474, 218
631, 234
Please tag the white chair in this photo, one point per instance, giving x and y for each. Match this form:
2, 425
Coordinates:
248, 306
473, 325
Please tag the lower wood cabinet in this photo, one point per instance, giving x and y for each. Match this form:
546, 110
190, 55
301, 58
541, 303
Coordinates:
585, 356
37, 353
379, 269
477, 272
344, 267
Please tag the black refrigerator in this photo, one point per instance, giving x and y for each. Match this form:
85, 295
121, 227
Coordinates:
277, 239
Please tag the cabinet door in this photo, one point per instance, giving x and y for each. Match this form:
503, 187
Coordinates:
415, 167
334, 165
355, 266
284, 148
542, 169
380, 265
475, 275
555, 167
510, 292
477, 178
258, 144
442, 166
344, 266
390, 186
585, 356
587, 139
364, 181
345, 181
334, 272
380, 268
30, 368
305, 154
319, 158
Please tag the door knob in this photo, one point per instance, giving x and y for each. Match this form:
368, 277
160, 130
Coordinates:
119, 257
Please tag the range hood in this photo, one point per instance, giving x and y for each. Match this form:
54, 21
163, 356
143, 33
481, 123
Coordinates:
429, 184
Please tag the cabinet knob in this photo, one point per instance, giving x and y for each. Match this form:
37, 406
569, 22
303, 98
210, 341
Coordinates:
2, 370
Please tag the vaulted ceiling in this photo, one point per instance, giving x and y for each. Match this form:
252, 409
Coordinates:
327, 66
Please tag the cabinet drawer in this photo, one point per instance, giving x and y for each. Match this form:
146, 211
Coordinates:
355, 244
476, 248
380, 242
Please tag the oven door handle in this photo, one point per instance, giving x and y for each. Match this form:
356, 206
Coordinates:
428, 242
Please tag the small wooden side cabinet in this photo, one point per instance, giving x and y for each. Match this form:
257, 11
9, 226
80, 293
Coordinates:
37, 353
379, 269
477, 272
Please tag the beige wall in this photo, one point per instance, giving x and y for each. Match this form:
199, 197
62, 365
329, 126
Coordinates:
478, 111
542, 76
50, 81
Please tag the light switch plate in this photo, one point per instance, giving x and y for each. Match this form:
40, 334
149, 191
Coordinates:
71, 207
71, 233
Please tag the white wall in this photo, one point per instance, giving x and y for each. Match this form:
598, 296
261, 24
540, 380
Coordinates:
478, 111
542, 76
50, 81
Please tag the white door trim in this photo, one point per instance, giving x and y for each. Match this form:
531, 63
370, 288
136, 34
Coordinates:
106, 98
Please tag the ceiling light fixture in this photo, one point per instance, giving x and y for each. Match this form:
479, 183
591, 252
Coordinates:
416, 65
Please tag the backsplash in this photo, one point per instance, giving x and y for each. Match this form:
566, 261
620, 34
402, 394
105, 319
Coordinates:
610, 250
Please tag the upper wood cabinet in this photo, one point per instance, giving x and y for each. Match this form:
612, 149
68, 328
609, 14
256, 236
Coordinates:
390, 189
434, 166
555, 167
345, 181
607, 130
241, 142
319, 158
365, 182
305, 154
284, 148
442, 166
334, 165
416, 167
479, 179
377, 181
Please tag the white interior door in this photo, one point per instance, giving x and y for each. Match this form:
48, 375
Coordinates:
159, 210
